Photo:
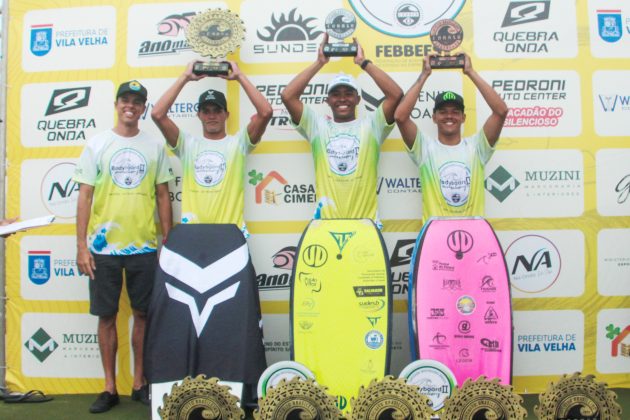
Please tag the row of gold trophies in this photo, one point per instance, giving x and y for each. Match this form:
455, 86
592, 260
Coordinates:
572, 397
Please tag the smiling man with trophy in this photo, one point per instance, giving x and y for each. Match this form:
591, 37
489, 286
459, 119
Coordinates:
206, 260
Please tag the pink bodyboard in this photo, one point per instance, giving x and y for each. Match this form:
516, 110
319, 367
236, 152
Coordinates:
461, 304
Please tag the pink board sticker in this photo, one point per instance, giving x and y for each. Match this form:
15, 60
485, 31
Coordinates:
461, 299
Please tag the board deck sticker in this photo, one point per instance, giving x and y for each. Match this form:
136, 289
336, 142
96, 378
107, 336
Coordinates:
460, 299
341, 305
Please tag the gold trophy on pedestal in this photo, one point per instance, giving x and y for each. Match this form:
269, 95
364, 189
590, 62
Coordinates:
215, 33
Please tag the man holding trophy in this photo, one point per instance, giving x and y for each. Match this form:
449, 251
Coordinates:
451, 167
345, 149
205, 303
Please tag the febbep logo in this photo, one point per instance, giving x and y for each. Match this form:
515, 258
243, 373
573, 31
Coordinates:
283, 32
525, 29
405, 19
127, 168
532, 183
64, 114
542, 104
71, 38
533, 262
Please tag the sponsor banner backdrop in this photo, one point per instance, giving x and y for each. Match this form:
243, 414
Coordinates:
557, 188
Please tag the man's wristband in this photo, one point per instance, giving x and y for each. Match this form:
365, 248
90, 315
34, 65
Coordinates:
365, 63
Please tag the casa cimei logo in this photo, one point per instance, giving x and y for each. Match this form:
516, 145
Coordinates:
501, 184
290, 33
274, 189
41, 345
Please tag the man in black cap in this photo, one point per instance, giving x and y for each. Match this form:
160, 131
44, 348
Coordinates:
451, 167
214, 165
228, 343
121, 173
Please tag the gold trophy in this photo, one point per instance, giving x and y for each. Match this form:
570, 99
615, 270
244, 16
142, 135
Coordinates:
340, 24
446, 35
215, 33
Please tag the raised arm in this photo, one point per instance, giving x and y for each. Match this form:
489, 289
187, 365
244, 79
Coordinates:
159, 113
85, 260
386, 84
493, 125
259, 121
292, 92
408, 129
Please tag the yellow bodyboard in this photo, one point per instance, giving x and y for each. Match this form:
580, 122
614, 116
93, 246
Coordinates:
341, 305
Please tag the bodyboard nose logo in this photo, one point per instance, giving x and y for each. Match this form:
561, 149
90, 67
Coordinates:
460, 242
315, 256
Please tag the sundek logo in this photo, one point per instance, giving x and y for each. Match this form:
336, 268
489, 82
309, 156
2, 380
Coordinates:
501, 184
290, 33
41, 345
274, 189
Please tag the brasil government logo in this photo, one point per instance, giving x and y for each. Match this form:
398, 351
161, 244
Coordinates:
39, 266
41, 39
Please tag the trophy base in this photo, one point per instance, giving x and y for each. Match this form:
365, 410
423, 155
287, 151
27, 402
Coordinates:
212, 69
447, 61
340, 49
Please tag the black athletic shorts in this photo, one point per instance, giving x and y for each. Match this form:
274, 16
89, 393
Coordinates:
108, 278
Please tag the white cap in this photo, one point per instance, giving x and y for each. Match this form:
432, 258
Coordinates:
343, 79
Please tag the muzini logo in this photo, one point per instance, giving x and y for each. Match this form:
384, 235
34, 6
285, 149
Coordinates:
501, 184
202, 279
41, 345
